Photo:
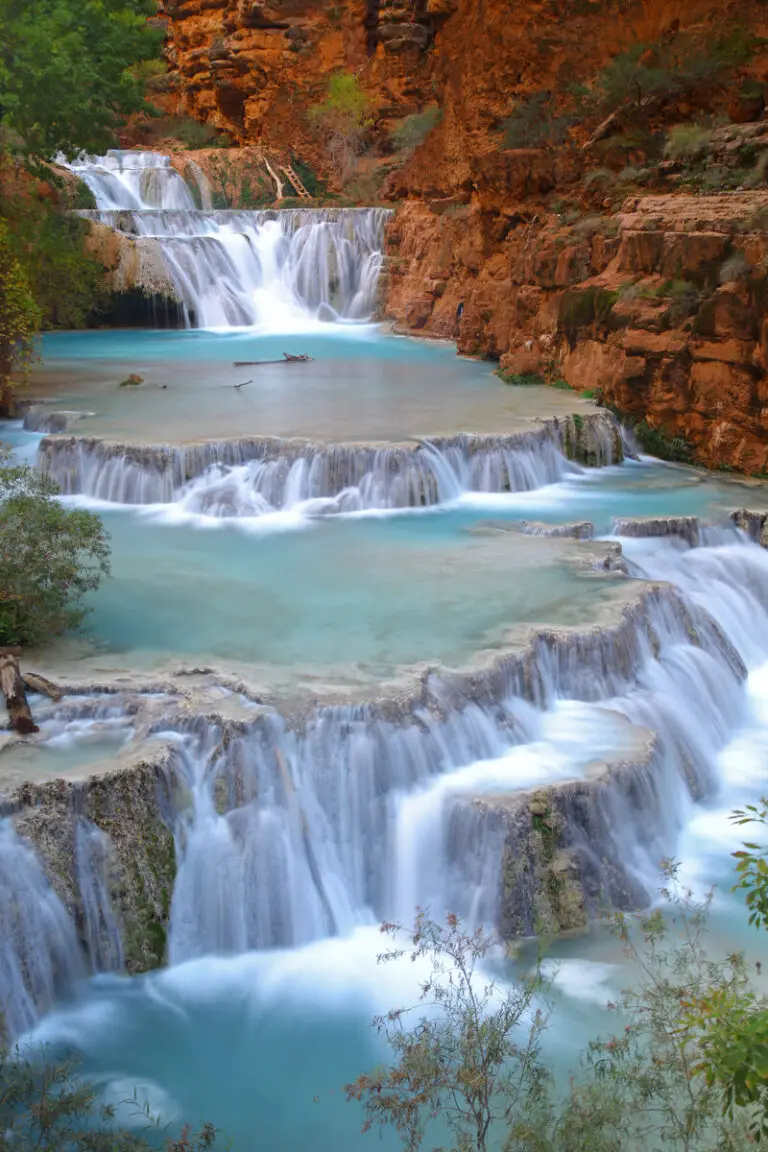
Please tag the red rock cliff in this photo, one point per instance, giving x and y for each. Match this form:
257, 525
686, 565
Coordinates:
591, 257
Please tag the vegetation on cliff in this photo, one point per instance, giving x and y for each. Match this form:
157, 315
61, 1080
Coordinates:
68, 79
65, 72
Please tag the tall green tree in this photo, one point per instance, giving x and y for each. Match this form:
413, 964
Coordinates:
50, 557
65, 79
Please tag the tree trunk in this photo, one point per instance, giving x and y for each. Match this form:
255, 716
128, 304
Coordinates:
12, 688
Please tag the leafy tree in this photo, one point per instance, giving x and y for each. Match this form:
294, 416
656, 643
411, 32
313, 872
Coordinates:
345, 116
413, 130
66, 282
65, 72
472, 1060
732, 1024
49, 558
47, 1108
534, 122
19, 319
475, 1063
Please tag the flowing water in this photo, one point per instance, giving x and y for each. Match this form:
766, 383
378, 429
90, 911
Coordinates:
355, 649
237, 268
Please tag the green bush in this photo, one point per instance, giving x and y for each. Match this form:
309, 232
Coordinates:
580, 307
533, 122
344, 116
519, 379
688, 143
49, 558
68, 285
45, 1107
415, 129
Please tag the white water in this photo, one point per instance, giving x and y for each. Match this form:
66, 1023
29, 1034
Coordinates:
39, 951
256, 478
270, 270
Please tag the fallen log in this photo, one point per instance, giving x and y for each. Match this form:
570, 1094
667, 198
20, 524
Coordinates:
37, 683
287, 359
12, 688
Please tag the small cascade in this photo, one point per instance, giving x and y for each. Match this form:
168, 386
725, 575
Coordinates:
363, 813
252, 477
39, 951
240, 268
101, 930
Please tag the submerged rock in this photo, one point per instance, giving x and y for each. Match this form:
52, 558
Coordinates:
581, 530
755, 524
686, 527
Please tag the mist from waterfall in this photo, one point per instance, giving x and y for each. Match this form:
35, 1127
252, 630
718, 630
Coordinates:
272, 270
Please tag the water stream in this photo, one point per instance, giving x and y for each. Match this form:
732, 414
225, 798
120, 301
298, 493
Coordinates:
240, 268
346, 656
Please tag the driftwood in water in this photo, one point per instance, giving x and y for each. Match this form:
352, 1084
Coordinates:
37, 683
287, 359
12, 688
14, 685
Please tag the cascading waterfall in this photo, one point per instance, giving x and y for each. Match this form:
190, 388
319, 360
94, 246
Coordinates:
240, 268
102, 931
288, 833
39, 950
253, 477
357, 818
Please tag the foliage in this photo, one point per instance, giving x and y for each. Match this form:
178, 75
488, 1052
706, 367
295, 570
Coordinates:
688, 142
648, 74
581, 307
641, 1090
49, 558
344, 116
471, 1058
752, 866
520, 379
67, 283
19, 319
656, 442
47, 1108
65, 77
414, 129
731, 1024
317, 188
533, 122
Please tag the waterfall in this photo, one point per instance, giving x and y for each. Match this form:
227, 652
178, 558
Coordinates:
39, 951
240, 268
260, 475
358, 815
102, 933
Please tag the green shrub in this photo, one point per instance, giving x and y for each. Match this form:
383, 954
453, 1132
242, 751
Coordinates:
49, 558
533, 122
345, 117
688, 143
519, 379
45, 1107
415, 129
580, 307
656, 442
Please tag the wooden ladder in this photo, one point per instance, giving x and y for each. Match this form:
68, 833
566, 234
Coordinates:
294, 180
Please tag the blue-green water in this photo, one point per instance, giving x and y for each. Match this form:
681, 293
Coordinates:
261, 1044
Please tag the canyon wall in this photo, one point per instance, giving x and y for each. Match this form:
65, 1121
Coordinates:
579, 246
